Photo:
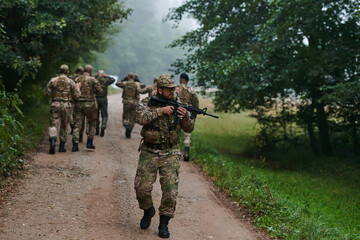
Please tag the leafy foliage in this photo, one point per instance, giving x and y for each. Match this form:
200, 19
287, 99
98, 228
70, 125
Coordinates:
257, 52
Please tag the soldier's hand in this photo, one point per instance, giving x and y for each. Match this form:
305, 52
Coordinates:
182, 112
78, 85
168, 110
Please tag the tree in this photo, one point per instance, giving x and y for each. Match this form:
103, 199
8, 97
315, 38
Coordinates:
257, 52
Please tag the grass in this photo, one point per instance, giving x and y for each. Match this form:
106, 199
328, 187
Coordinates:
293, 195
35, 122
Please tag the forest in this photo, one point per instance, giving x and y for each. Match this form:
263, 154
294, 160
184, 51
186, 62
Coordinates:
287, 75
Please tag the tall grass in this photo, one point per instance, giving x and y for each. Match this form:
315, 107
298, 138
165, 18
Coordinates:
292, 195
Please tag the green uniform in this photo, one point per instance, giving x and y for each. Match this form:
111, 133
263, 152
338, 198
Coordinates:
131, 96
62, 91
102, 100
86, 105
188, 96
160, 151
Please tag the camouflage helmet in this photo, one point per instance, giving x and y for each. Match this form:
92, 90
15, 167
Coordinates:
165, 80
79, 69
64, 68
88, 68
131, 75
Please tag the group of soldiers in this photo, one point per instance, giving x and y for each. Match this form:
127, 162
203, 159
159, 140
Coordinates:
83, 95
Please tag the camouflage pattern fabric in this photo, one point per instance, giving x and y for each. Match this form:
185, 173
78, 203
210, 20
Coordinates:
131, 96
62, 91
188, 96
101, 100
146, 174
86, 105
149, 90
102, 111
82, 110
159, 130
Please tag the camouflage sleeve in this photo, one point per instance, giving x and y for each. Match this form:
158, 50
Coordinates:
120, 84
110, 81
75, 91
97, 87
194, 100
145, 90
49, 89
187, 124
144, 114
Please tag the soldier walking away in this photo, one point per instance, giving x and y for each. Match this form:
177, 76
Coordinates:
79, 71
131, 96
62, 90
86, 106
102, 101
160, 152
187, 96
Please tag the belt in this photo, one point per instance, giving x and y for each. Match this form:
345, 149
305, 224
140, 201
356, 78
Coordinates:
158, 146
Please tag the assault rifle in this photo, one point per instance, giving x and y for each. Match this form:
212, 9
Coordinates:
194, 111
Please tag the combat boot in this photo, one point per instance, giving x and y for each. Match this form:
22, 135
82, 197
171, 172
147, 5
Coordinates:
146, 219
186, 154
163, 226
80, 138
97, 132
75, 147
127, 132
52, 145
102, 133
62, 147
90, 144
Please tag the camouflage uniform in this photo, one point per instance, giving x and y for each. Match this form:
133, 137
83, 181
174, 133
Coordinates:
62, 91
86, 105
131, 97
102, 100
150, 90
160, 151
188, 96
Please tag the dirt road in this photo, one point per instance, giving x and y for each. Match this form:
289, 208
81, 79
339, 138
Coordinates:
90, 195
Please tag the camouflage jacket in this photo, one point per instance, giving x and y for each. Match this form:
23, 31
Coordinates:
131, 93
187, 95
62, 89
148, 89
89, 88
104, 81
159, 129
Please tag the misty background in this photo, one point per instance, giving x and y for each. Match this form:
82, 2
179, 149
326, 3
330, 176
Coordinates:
140, 46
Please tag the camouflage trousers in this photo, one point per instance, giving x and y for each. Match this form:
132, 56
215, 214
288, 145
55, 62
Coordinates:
71, 120
129, 114
102, 111
82, 110
169, 168
59, 113
187, 139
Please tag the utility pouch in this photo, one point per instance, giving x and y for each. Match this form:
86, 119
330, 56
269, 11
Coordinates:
152, 137
174, 137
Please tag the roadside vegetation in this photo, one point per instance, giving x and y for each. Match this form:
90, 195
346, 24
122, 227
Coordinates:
291, 194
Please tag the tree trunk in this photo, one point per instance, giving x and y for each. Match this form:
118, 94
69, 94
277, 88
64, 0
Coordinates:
312, 137
323, 130
354, 136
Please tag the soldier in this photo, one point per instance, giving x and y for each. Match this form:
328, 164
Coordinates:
131, 97
102, 101
160, 151
62, 91
79, 71
188, 96
86, 106
151, 89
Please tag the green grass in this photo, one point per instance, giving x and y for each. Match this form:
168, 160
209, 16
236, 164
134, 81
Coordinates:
35, 122
293, 195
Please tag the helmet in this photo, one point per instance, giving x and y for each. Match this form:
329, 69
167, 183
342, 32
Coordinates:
88, 68
165, 80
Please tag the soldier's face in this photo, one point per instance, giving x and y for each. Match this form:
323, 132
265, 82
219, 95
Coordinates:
167, 92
